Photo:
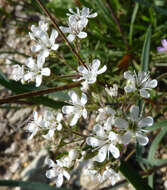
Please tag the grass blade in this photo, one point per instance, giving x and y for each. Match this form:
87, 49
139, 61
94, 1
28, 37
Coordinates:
146, 51
132, 22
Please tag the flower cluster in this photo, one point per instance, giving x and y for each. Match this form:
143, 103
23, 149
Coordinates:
76, 23
114, 124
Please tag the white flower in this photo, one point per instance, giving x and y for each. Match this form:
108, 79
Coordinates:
68, 161
77, 108
33, 127
84, 13
108, 175
52, 122
139, 82
36, 70
112, 91
18, 73
90, 73
44, 43
135, 127
105, 142
56, 172
106, 117
75, 28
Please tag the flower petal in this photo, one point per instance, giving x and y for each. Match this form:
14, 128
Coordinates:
49, 162
68, 109
82, 35
50, 173
164, 43
71, 37
59, 117
147, 121
142, 140
59, 127
82, 70
45, 71
95, 65
126, 138
101, 156
121, 123
102, 70
134, 113
83, 99
66, 174
36, 48
38, 80
55, 46
84, 113
144, 93
114, 151
30, 63
28, 76
94, 142
99, 131
65, 29
75, 119
74, 97
151, 84
53, 36
59, 180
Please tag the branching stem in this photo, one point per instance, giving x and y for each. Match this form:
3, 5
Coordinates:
38, 93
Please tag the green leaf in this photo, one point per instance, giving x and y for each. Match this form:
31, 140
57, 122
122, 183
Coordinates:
28, 185
132, 22
155, 144
133, 177
146, 51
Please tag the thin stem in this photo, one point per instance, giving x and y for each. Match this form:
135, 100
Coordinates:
61, 33
116, 20
129, 155
38, 93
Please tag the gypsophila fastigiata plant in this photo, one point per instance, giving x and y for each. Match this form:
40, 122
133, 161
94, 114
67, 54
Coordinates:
118, 118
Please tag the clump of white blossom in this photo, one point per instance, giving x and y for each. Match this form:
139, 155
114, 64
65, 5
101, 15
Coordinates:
114, 125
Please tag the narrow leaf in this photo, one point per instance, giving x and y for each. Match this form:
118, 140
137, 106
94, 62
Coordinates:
133, 177
28, 185
146, 51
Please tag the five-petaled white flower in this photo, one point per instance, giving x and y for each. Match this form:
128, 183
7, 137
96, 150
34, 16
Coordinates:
164, 46
36, 70
18, 73
77, 108
139, 82
90, 73
75, 28
56, 172
84, 13
105, 141
135, 127
52, 122
33, 127
44, 43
